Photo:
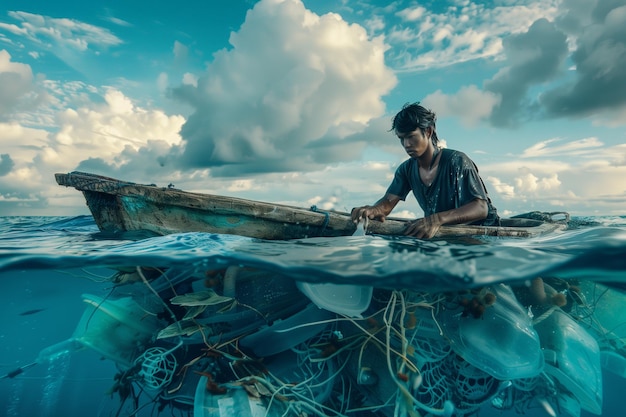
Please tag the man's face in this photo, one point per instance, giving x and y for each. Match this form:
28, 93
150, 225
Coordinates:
414, 143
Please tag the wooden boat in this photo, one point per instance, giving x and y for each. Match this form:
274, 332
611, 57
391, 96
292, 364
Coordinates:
119, 206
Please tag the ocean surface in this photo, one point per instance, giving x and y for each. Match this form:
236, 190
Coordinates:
97, 324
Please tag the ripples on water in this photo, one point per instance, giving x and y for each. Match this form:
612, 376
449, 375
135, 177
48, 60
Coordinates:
591, 249
47, 263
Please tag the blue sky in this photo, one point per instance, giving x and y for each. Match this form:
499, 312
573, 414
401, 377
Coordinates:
290, 101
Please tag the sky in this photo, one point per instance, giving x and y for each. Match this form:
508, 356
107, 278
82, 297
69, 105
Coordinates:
291, 101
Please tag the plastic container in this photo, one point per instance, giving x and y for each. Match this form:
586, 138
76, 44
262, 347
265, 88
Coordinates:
349, 300
573, 358
502, 343
117, 329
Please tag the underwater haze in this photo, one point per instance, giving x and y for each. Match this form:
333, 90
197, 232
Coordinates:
199, 324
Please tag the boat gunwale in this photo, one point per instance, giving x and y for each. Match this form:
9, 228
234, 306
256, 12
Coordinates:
224, 205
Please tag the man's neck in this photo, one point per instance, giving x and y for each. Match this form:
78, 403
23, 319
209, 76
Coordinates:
427, 160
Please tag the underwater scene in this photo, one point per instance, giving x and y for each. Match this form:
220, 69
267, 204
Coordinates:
207, 325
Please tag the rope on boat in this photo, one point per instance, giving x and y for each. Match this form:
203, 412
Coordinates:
544, 216
565, 215
326, 217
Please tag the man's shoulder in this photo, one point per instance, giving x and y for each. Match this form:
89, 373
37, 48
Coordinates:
454, 155
406, 164
452, 152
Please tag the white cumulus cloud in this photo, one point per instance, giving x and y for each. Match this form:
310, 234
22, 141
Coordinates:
529, 183
15, 82
292, 86
469, 104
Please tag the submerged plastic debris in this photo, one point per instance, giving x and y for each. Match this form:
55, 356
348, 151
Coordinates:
248, 342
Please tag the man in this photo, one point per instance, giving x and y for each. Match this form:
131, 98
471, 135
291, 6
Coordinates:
445, 182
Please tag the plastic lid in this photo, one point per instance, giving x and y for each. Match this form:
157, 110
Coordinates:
349, 300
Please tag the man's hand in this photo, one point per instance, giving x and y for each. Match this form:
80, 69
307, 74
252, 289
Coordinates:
367, 212
424, 228
378, 211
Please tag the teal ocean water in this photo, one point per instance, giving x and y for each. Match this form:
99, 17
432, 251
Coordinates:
198, 324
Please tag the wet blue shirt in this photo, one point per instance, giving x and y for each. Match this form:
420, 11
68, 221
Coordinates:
456, 183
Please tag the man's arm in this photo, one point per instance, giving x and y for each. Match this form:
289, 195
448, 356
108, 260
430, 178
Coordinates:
378, 211
428, 226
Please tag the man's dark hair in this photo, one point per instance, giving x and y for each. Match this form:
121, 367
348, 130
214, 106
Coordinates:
414, 116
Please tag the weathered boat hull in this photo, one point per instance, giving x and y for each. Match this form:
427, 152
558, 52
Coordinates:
119, 206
